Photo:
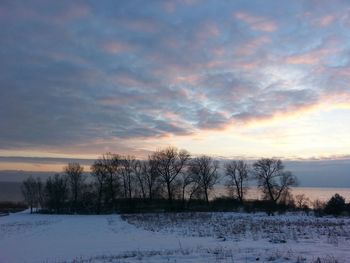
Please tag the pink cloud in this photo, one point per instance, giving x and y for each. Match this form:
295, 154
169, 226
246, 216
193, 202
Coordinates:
75, 12
212, 30
257, 23
326, 20
308, 59
190, 2
189, 79
252, 46
3, 12
174, 117
169, 7
311, 58
247, 65
114, 101
218, 51
116, 47
206, 31
60, 16
60, 56
143, 26
345, 72
125, 80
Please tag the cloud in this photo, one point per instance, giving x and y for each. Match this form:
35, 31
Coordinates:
257, 23
326, 20
116, 47
252, 46
79, 75
310, 58
208, 119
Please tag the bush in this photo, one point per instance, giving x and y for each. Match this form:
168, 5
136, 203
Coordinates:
336, 205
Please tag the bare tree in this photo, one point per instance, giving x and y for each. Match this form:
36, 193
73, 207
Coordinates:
273, 180
318, 207
237, 174
30, 190
40, 189
74, 172
194, 190
56, 189
140, 178
100, 174
186, 179
204, 171
151, 176
128, 174
111, 165
301, 201
169, 164
191, 187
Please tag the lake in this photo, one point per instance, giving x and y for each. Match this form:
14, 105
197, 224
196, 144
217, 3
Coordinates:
313, 193
11, 191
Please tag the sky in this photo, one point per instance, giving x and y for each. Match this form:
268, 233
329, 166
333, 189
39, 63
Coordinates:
232, 79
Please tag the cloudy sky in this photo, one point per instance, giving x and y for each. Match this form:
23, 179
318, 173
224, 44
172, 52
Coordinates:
226, 78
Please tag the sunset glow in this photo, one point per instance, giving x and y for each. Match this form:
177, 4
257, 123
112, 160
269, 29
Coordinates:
240, 79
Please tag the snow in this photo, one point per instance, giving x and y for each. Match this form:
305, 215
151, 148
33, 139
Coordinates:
181, 237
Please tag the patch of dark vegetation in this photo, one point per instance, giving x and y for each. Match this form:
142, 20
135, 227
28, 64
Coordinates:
170, 181
11, 207
139, 205
337, 206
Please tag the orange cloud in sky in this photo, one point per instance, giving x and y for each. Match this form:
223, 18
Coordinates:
171, 73
40, 167
288, 133
325, 102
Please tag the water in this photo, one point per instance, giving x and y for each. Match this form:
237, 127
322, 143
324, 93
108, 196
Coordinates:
313, 193
11, 191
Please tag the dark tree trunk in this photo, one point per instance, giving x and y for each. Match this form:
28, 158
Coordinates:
170, 198
206, 195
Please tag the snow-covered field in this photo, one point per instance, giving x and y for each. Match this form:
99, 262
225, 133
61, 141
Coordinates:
181, 237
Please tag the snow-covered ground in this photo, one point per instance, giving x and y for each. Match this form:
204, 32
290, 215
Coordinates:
182, 237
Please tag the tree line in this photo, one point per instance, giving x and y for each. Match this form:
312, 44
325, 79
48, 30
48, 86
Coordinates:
169, 175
